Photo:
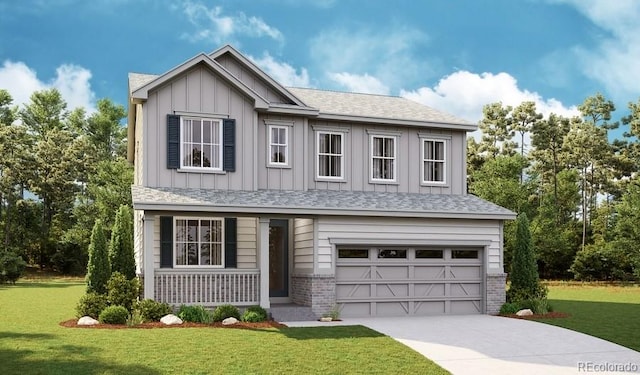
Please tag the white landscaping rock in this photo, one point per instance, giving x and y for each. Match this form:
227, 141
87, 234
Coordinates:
229, 321
170, 320
87, 321
525, 312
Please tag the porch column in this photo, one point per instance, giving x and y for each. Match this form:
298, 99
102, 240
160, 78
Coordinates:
263, 241
147, 259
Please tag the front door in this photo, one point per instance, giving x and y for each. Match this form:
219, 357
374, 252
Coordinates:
279, 258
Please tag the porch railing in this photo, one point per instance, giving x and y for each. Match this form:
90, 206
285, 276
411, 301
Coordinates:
208, 288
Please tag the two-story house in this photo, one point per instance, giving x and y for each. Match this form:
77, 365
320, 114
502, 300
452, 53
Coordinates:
247, 192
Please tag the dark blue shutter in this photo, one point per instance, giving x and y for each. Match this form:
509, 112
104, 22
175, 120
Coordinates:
173, 141
230, 242
166, 242
229, 145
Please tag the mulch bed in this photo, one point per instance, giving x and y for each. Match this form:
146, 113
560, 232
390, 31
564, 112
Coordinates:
550, 315
73, 323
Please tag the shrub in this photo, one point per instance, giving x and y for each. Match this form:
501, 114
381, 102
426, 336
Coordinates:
251, 317
223, 312
537, 305
509, 308
11, 267
98, 269
91, 304
195, 314
114, 315
525, 282
121, 247
134, 318
121, 291
152, 311
254, 314
259, 310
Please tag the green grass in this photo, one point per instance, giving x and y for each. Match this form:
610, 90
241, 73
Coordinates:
33, 342
606, 311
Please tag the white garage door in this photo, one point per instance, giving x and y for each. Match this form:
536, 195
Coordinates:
409, 281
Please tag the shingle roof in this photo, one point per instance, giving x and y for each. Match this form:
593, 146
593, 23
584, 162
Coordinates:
318, 202
368, 105
137, 80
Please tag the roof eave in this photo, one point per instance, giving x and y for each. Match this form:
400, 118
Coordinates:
315, 211
292, 110
392, 121
229, 49
141, 94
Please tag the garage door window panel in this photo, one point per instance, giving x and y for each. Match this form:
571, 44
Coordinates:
353, 253
429, 254
392, 254
464, 254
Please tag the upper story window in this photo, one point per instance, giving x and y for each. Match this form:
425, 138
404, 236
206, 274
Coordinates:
383, 158
433, 161
201, 143
199, 242
278, 145
330, 155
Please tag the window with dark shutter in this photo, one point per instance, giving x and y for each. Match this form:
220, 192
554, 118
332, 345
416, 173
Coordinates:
229, 145
173, 141
166, 242
230, 242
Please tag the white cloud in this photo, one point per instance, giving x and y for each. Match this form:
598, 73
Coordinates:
360, 83
614, 60
282, 72
464, 94
211, 24
387, 54
71, 80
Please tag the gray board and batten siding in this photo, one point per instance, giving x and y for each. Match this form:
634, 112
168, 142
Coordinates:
199, 91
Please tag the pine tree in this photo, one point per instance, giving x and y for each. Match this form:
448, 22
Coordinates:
525, 282
98, 270
121, 249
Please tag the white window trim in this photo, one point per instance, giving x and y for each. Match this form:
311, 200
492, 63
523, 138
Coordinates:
286, 146
395, 159
175, 243
181, 145
444, 161
342, 155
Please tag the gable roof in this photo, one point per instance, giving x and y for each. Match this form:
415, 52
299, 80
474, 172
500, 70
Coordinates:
390, 109
228, 49
318, 202
144, 83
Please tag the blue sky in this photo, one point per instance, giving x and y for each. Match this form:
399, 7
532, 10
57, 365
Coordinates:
452, 55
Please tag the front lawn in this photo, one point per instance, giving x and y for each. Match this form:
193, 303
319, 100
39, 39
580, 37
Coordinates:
32, 342
606, 311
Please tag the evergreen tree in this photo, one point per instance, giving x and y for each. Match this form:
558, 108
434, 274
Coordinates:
525, 282
121, 247
98, 270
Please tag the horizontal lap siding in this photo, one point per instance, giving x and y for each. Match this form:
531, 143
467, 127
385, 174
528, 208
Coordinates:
247, 241
303, 244
389, 229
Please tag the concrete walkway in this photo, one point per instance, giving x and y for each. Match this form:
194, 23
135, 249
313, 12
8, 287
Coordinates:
483, 344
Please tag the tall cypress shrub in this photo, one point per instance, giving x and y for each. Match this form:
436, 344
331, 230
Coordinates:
98, 269
525, 282
121, 247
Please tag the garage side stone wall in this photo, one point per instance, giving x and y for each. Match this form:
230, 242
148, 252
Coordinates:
496, 292
316, 291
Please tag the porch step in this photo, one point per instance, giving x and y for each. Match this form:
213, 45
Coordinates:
291, 313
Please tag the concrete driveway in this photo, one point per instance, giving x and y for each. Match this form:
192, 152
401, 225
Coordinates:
483, 344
